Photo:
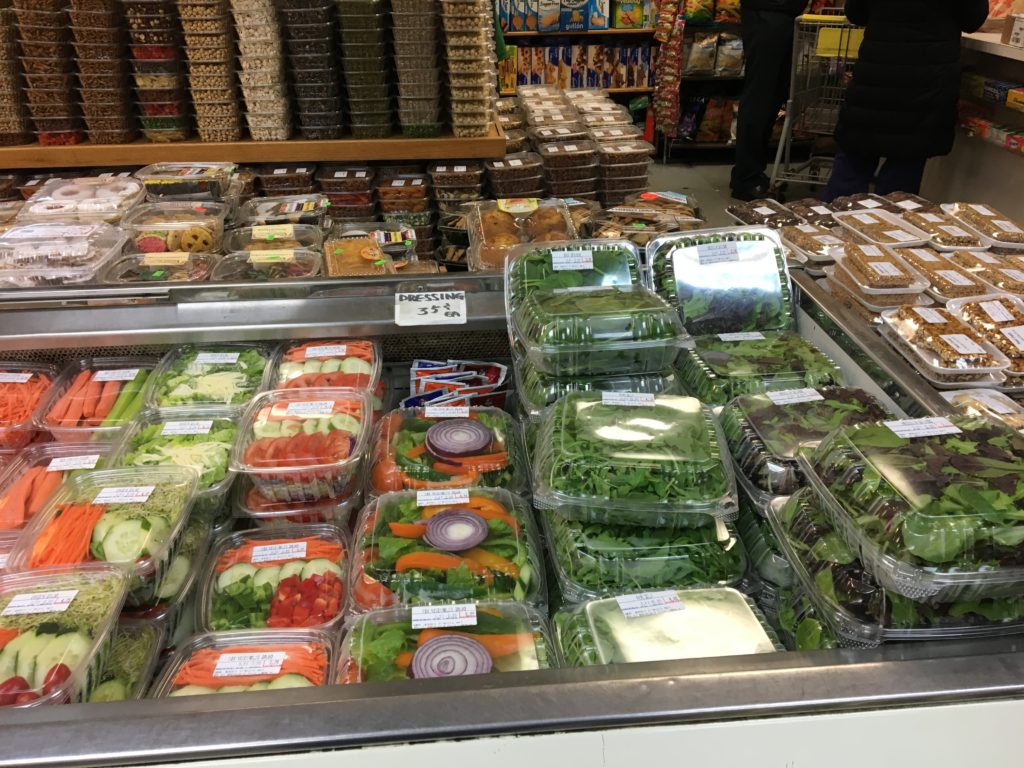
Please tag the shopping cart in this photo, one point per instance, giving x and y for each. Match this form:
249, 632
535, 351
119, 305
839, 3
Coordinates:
825, 47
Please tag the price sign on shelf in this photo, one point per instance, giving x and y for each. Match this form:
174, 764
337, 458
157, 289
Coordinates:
436, 308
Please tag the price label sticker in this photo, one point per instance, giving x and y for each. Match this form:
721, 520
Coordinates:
40, 602
1014, 274
62, 463
962, 343
168, 259
764, 210
931, 217
869, 203
997, 311
198, 427
282, 256
280, 171
1015, 336
440, 308
717, 253
440, 616
930, 315
986, 258
742, 336
268, 553
360, 174
899, 236
808, 228
866, 218
983, 210
511, 163
3, 560
217, 358
955, 231
1007, 226
908, 205
571, 148
132, 494
326, 350
885, 268
116, 374
924, 254
446, 411
821, 210
273, 232
634, 399
310, 408
994, 404
246, 664
929, 427
443, 496
572, 260
649, 604
953, 277
15, 378
792, 396
870, 250
459, 169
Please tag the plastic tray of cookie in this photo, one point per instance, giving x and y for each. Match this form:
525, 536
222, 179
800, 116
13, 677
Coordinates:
57, 254
274, 237
85, 199
176, 267
187, 181
193, 227
291, 209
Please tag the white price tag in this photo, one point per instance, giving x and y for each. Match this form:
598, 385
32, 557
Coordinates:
869, 203
442, 497
200, 427
908, 205
870, 250
441, 308
326, 350
440, 616
310, 408
900, 236
808, 228
1007, 226
866, 218
570, 148
828, 240
360, 174
953, 277
513, 163
983, 210
997, 311
924, 254
267, 553
246, 664
40, 602
792, 396
1015, 335
986, 258
639, 399
3, 560
742, 336
821, 210
764, 210
280, 171
1014, 274
993, 403
459, 169
886, 268
962, 343
62, 463
133, 494
930, 315
649, 604
217, 358
120, 374
15, 378
955, 231
446, 411
717, 253
572, 260
911, 428
931, 217
273, 231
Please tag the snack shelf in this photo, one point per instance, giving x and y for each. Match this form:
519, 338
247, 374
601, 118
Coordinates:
584, 33
613, 91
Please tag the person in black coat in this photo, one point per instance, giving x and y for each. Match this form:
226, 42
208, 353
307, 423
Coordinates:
767, 28
902, 103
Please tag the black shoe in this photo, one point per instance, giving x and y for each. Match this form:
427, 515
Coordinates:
746, 194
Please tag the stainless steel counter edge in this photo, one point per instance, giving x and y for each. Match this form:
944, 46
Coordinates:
208, 727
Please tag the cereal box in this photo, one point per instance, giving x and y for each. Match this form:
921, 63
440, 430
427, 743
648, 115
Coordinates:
644, 72
551, 65
597, 14
610, 57
524, 58
532, 11
573, 16
578, 77
595, 65
548, 12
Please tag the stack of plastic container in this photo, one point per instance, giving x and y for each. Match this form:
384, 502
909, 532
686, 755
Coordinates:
156, 48
406, 199
210, 48
520, 174
365, 64
625, 165
414, 27
470, 57
308, 27
104, 87
52, 98
350, 191
14, 127
261, 70
457, 182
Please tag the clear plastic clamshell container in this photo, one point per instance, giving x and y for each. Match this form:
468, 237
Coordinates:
633, 459
662, 626
438, 447
719, 368
304, 444
180, 267
446, 546
291, 209
928, 505
495, 228
129, 517
274, 237
852, 602
723, 281
763, 213
57, 253
176, 227
326, 363
947, 234
84, 199
268, 266
187, 181
880, 227
237, 662
767, 560
209, 374
767, 432
94, 397
418, 642
947, 281
988, 222
999, 318
131, 661
597, 331
56, 626
794, 617
24, 390
251, 504
285, 578
816, 242
987, 403
592, 560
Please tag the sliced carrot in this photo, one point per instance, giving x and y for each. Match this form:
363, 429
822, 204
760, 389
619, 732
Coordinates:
493, 561
111, 389
91, 398
60, 408
404, 660
462, 481
408, 530
316, 548
46, 483
300, 659
6, 635
416, 452
439, 561
489, 509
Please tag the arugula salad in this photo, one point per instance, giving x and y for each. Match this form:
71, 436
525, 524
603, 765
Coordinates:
576, 264
215, 374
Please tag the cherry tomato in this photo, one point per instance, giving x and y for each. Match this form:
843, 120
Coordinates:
55, 678
11, 688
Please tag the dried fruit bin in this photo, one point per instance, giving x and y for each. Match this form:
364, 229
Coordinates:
187, 181
56, 254
209, 374
265, 660
450, 447
719, 368
57, 625
429, 547
591, 560
192, 227
132, 659
492, 637
24, 390
159, 268
661, 626
128, 517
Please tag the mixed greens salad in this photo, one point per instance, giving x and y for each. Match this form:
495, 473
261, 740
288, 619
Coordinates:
130, 663
766, 557
799, 626
578, 264
208, 375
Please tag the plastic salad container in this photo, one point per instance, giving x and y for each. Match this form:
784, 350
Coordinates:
598, 331
84, 199
719, 368
186, 181
131, 661
55, 630
303, 444
858, 610
723, 281
767, 560
274, 237
180, 267
797, 622
264, 265
628, 459
877, 275
252, 505
660, 626
24, 389
931, 515
289, 578
291, 209
987, 403
57, 254
128, 517
988, 222
326, 363
176, 227
209, 374
415, 548
94, 397
418, 642
36, 472
592, 560
766, 432
438, 447
235, 662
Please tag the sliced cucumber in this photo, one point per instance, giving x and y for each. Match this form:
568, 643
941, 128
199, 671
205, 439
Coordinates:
69, 649
174, 579
290, 427
270, 575
233, 689
266, 429
159, 533
289, 681
323, 425
331, 365
126, 541
259, 686
107, 521
11, 651
319, 567
311, 366
235, 573
293, 568
348, 423
193, 690
111, 690
355, 365
309, 426
26, 665
289, 371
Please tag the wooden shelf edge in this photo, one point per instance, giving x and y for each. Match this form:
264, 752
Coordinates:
583, 33
339, 150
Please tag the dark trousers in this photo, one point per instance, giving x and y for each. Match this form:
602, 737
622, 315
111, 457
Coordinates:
768, 48
853, 173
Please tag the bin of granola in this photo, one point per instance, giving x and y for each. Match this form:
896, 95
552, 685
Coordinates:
176, 226
290, 209
186, 181
763, 213
878, 275
947, 280
495, 228
57, 254
882, 228
947, 234
988, 222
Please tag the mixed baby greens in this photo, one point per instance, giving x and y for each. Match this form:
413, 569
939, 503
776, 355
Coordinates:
611, 263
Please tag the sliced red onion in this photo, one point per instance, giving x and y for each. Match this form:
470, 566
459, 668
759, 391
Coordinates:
455, 438
450, 656
456, 530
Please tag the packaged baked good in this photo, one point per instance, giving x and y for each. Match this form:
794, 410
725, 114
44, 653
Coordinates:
567, 154
946, 232
864, 201
987, 221
168, 267
947, 280
813, 241
497, 227
274, 237
813, 211
882, 228
290, 209
875, 268
85, 199
187, 181
57, 254
355, 257
907, 201
193, 227
763, 213
265, 265
999, 318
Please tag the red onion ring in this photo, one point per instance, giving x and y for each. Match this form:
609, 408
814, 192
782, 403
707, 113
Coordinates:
455, 438
456, 530
450, 656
